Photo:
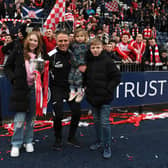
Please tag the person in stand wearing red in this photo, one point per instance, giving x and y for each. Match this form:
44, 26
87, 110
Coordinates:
147, 32
139, 46
135, 31
49, 40
125, 50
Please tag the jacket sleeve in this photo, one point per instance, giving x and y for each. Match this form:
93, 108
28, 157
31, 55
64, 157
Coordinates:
114, 76
10, 66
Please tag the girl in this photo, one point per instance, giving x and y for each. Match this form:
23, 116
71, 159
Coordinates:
22, 102
75, 77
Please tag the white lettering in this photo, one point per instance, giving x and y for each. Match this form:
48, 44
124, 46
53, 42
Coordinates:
118, 90
153, 88
161, 85
129, 88
145, 89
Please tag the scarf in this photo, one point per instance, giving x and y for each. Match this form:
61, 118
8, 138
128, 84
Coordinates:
118, 31
135, 31
156, 55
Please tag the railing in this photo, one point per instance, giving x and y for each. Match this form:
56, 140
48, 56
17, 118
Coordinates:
134, 67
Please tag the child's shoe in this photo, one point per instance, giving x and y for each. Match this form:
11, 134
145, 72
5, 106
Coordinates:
14, 151
72, 95
80, 95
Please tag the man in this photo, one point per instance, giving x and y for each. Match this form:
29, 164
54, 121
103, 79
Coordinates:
139, 46
59, 68
135, 30
49, 40
125, 50
152, 55
147, 32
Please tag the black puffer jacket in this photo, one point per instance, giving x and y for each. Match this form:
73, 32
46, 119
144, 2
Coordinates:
102, 77
16, 73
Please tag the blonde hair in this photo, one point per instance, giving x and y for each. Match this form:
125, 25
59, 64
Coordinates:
26, 48
82, 31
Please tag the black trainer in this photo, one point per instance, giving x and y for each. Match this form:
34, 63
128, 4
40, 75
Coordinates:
58, 145
74, 142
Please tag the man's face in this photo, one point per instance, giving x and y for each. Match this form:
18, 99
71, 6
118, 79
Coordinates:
125, 38
152, 42
139, 38
49, 33
96, 49
62, 42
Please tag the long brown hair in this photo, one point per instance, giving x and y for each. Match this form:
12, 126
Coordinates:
26, 49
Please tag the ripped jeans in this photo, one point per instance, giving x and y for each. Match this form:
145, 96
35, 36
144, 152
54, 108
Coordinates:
23, 123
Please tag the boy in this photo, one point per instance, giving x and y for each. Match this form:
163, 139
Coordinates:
102, 77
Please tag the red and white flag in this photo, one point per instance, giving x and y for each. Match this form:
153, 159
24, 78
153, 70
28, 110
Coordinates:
112, 6
56, 15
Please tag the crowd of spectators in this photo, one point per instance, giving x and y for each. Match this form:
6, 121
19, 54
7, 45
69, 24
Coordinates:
131, 17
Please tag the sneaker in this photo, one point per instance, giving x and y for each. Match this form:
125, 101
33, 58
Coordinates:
74, 142
107, 152
58, 145
29, 147
95, 146
79, 97
14, 151
72, 95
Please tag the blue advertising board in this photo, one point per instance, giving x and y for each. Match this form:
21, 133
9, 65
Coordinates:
135, 89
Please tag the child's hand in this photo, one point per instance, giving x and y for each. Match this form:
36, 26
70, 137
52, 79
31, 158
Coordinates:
82, 68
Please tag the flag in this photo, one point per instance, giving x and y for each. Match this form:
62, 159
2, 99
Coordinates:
34, 13
56, 15
112, 6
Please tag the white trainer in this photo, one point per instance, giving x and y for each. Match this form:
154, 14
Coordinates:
14, 151
29, 147
72, 95
79, 97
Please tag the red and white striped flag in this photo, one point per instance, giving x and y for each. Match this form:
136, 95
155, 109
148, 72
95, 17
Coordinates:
56, 15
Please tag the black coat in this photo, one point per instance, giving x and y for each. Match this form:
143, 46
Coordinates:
16, 73
101, 78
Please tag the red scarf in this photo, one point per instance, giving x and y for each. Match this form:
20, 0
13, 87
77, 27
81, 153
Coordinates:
133, 31
42, 91
118, 29
156, 55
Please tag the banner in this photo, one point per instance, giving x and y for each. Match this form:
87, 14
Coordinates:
135, 89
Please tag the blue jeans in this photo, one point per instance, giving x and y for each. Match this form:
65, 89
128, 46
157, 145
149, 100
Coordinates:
102, 124
24, 119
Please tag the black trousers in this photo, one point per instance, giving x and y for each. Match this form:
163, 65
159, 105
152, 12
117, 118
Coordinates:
58, 95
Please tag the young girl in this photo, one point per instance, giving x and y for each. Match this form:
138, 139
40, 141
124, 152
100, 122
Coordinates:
18, 71
79, 48
102, 77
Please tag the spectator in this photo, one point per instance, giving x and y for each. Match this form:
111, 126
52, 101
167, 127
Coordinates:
152, 55
49, 40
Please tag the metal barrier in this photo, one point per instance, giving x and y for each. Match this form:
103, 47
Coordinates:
134, 67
